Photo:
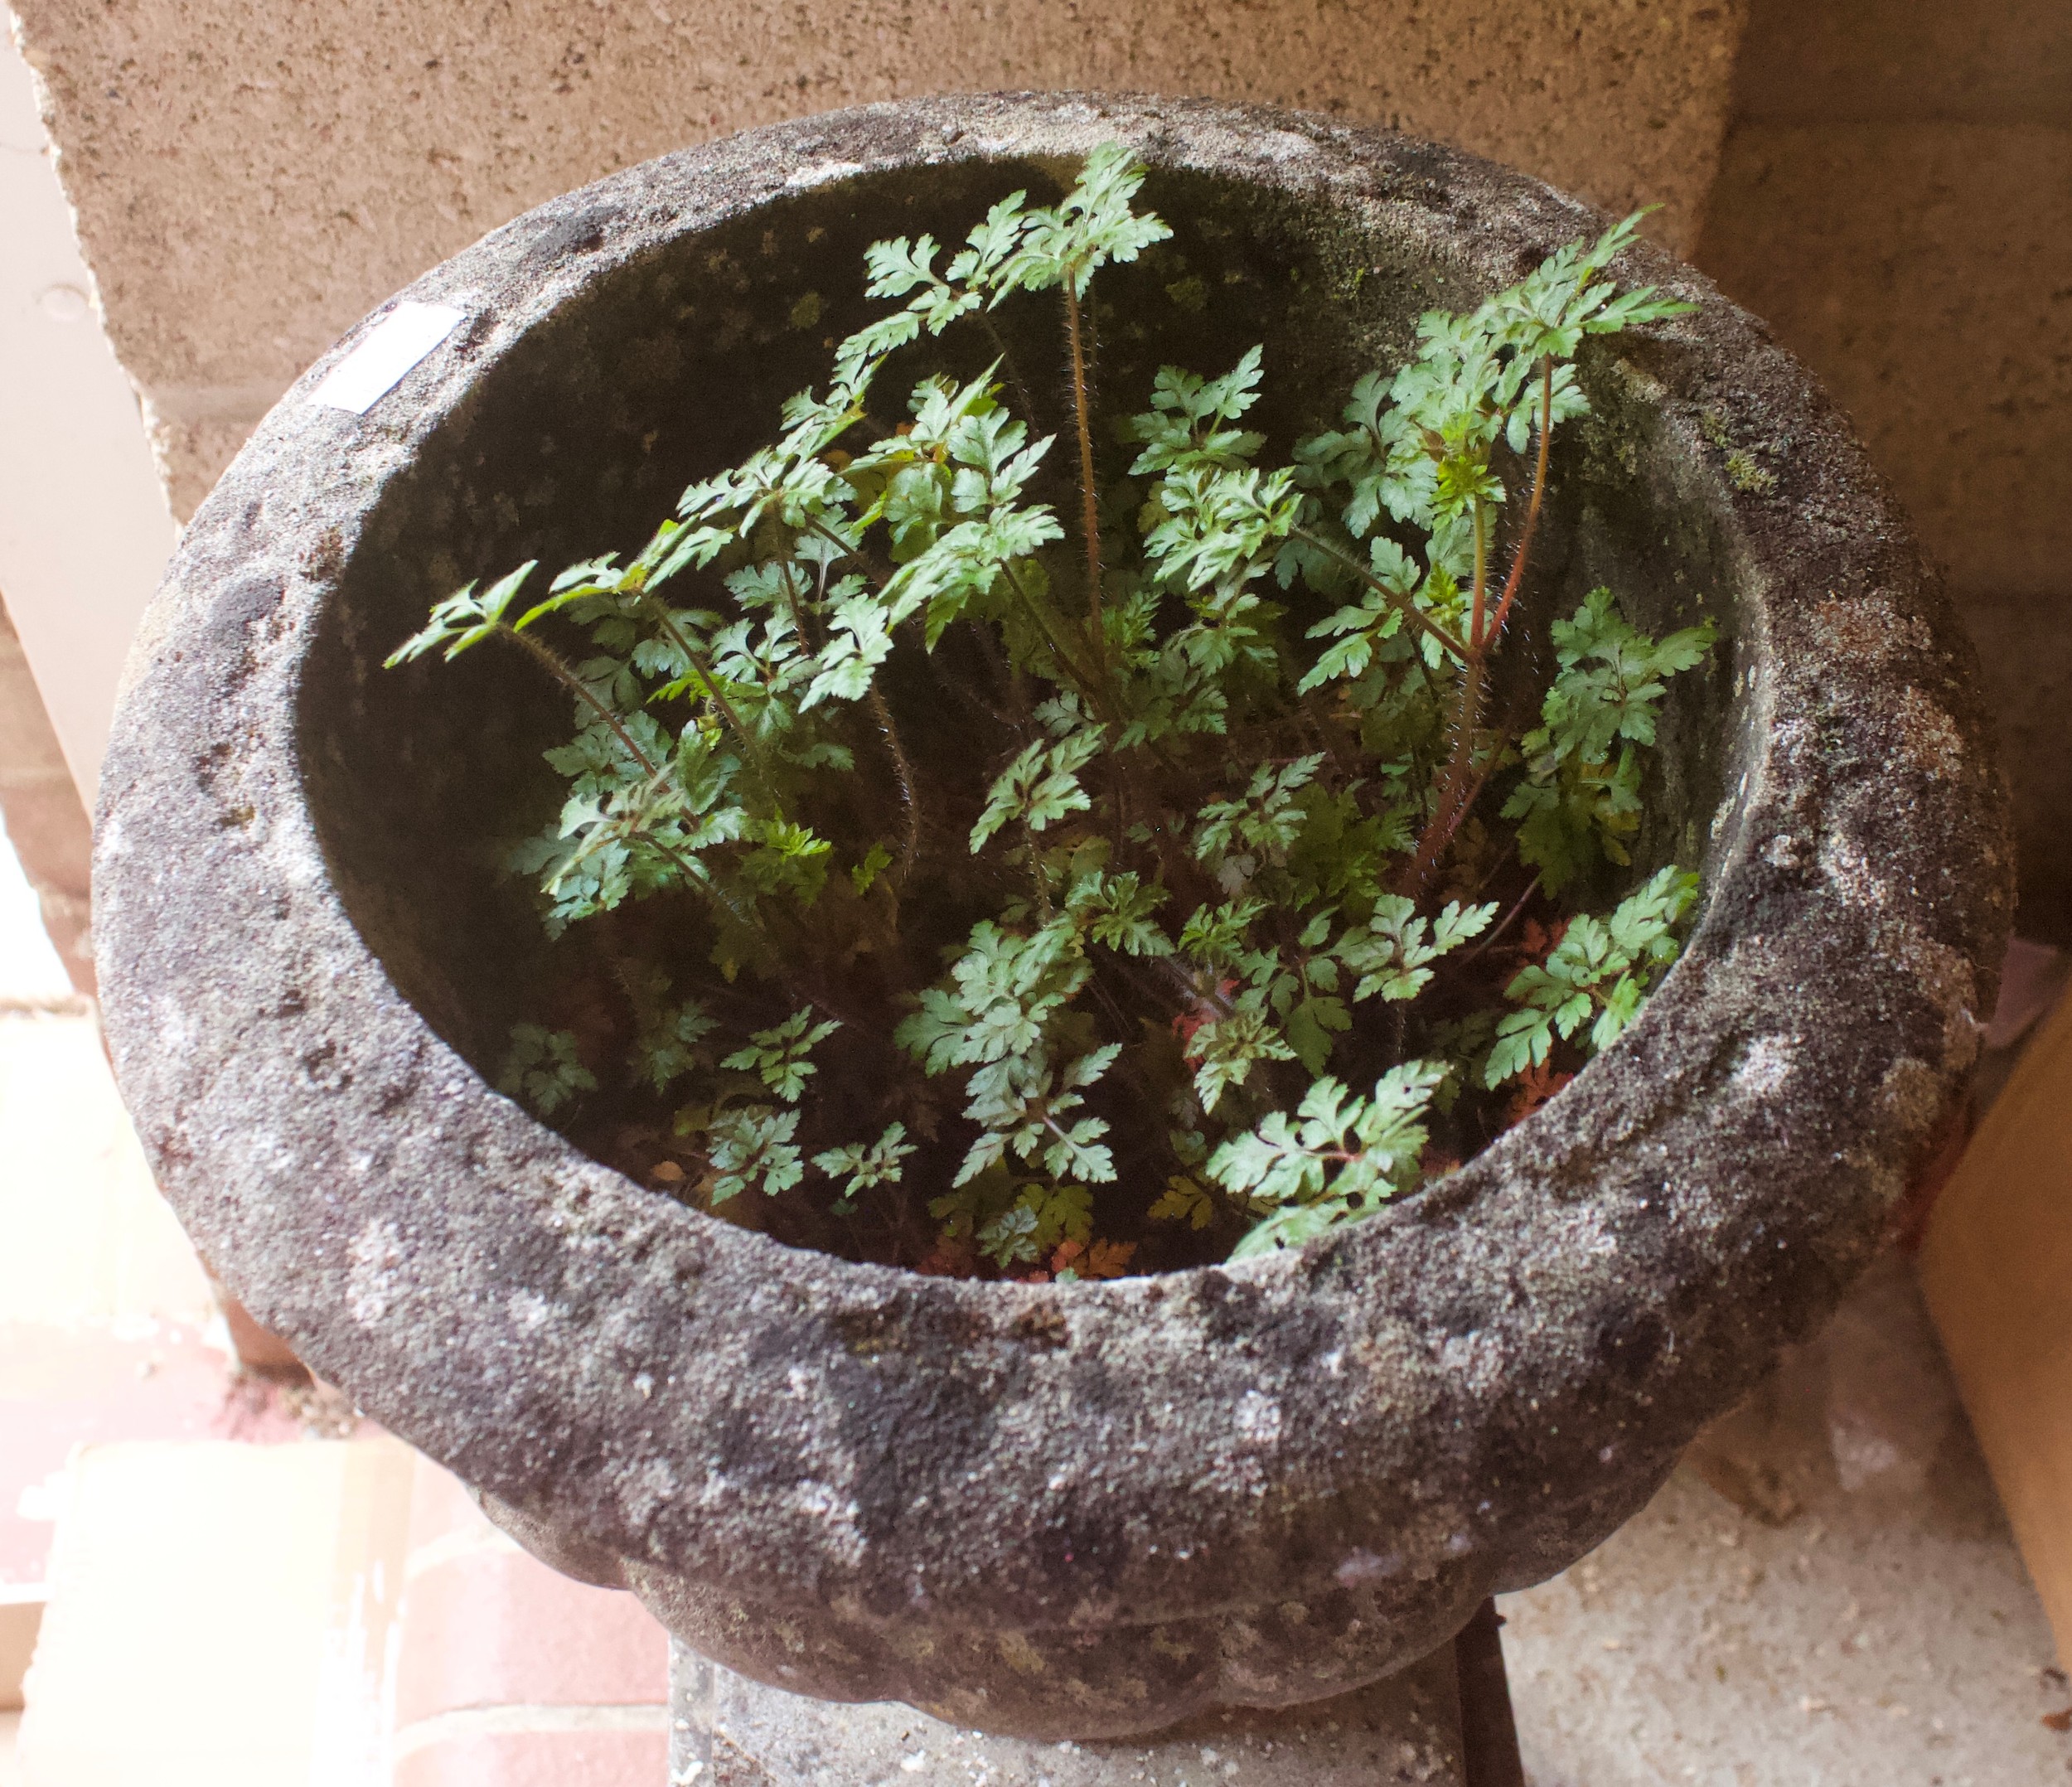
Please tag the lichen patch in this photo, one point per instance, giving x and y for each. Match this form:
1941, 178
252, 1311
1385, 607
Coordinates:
1928, 738
373, 1259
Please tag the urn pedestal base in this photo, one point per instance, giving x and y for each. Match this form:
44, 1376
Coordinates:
1444, 1722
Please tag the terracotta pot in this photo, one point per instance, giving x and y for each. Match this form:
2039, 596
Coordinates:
1080, 1509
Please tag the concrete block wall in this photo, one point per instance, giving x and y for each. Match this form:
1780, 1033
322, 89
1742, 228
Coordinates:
246, 181
1895, 199
83, 525
251, 180
41, 808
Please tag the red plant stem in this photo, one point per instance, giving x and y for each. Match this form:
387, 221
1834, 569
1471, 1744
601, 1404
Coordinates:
1488, 942
1455, 798
1512, 583
1402, 604
1459, 793
1090, 510
1482, 577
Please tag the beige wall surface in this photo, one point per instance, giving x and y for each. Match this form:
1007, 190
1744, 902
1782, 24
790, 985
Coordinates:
250, 179
84, 530
1895, 198
1939, 318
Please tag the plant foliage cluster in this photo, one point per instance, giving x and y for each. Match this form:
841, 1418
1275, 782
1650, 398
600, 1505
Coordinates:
1240, 905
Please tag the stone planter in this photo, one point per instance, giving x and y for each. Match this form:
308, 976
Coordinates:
1087, 1510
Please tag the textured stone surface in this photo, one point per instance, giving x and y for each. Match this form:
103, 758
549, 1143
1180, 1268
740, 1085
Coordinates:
1258, 1485
1825, 1594
250, 179
1399, 1732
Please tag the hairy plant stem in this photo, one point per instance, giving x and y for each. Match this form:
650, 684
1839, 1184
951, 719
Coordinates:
1093, 687
1446, 817
1402, 604
1044, 910
1462, 789
881, 712
1190, 989
910, 848
808, 638
658, 612
1089, 499
1482, 948
1455, 796
557, 667
1516, 580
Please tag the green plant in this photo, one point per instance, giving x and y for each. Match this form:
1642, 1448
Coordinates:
1202, 959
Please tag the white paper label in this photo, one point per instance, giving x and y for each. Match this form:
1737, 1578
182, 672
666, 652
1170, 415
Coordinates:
395, 345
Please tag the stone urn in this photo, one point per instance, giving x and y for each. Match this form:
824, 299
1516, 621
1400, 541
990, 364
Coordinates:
1079, 1510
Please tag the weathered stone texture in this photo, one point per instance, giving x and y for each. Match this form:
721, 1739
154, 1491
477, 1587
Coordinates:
1825, 1591
1402, 1732
1087, 1510
250, 179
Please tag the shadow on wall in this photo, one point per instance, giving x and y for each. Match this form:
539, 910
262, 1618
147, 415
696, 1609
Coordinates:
1895, 197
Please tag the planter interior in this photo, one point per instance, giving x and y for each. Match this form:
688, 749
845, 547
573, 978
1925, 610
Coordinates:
672, 364
1079, 1510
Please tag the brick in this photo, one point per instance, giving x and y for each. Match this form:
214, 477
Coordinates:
490, 1628
540, 1759
28, 748
1998, 1253
21, 1617
48, 829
